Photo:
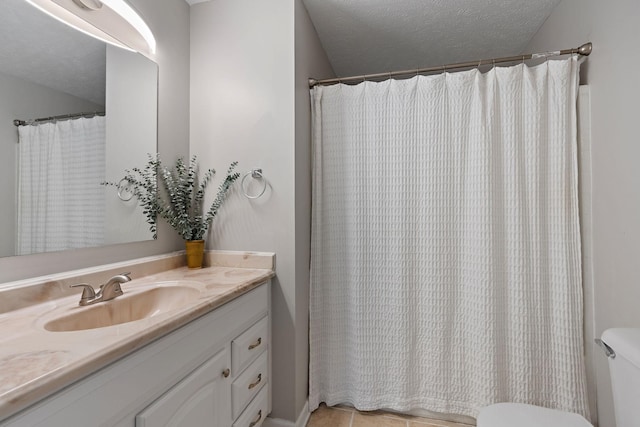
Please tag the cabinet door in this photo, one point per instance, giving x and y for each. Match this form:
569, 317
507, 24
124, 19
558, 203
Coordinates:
201, 399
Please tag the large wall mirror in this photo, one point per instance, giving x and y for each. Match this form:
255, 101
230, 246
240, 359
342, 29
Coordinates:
51, 171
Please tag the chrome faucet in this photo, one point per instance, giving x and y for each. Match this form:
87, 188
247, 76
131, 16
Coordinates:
107, 291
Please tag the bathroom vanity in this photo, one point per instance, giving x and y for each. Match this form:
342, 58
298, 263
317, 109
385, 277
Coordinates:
192, 349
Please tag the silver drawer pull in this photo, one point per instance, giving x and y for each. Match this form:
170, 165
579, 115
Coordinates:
255, 344
258, 380
257, 420
226, 373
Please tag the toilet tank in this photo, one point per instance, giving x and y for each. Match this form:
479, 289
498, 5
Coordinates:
625, 373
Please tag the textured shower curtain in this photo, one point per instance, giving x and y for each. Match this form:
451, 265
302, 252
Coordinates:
445, 270
60, 201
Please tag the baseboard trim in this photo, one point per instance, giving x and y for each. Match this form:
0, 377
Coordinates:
303, 419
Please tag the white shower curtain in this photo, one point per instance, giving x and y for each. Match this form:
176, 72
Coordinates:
60, 201
445, 271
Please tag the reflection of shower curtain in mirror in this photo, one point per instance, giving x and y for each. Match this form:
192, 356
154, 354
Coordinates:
60, 200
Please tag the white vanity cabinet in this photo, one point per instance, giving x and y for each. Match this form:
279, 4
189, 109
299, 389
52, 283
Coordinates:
214, 371
198, 400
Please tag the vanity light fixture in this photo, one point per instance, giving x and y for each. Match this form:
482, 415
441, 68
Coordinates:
112, 21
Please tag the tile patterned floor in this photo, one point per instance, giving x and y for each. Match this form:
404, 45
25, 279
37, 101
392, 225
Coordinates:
347, 417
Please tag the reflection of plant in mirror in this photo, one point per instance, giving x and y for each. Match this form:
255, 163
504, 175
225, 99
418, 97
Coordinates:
143, 183
181, 203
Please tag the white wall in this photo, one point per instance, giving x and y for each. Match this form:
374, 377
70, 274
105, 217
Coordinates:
242, 108
245, 105
310, 61
169, 21
24, 100
611, 72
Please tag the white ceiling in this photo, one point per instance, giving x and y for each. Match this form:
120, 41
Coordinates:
376, 36
359, 36
39, 49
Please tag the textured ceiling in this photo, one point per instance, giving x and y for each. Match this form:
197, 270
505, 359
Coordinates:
37, 48
376, 36
360, 37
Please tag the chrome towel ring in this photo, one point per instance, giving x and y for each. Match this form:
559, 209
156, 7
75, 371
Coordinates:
255, 174
124, 191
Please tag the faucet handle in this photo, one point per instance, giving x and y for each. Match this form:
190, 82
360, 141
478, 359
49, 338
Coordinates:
87, 291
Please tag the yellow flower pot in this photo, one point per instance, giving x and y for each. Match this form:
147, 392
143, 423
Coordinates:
195, 253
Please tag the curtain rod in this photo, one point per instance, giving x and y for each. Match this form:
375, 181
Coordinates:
584, 50
17, 122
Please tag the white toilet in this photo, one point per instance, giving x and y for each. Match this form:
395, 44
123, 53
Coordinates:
622, 345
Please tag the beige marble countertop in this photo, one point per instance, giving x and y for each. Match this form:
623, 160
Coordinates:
35, 363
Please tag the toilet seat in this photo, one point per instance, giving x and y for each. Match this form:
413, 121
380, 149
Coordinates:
523, 415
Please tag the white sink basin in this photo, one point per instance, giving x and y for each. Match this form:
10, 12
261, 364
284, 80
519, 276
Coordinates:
130, 307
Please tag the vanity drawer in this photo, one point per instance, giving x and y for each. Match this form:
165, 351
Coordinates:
247, 385
256, 412
248, 345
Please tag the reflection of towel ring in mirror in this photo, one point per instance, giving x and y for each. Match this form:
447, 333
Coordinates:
255, 174
124, 191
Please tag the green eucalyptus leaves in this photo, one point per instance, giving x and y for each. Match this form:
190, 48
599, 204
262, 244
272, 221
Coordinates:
177, 194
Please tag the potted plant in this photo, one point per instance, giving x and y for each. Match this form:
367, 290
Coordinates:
183, 209
179, 200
